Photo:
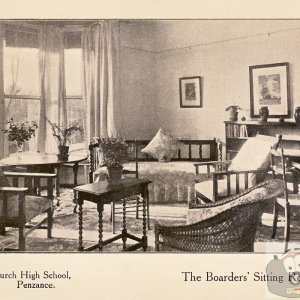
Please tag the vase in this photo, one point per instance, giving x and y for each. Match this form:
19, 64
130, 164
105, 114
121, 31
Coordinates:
233, 116
63, 152
114, 173
297, 115
264, 113
20, 147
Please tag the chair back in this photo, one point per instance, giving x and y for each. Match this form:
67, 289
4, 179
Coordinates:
279, 167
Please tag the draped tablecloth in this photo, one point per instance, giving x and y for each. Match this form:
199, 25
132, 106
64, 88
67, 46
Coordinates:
171, 182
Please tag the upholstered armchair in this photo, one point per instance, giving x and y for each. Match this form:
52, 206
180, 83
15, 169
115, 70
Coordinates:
20, 205
228, 225
249, 166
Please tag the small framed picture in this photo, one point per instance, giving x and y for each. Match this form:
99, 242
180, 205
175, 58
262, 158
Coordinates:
269, 86
190, 91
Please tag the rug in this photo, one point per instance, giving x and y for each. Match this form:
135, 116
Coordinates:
65, 227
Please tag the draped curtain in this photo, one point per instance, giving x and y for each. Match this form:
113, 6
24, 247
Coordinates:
52, 82
100, 56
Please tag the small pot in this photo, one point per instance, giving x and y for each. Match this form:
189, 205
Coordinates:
233, 116
63, 152
115, 173
264, 113
297, 115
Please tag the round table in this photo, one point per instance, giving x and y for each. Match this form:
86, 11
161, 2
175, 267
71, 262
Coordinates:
40, 161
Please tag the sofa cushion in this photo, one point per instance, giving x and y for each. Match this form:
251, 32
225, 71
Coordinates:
162, 147
266, 190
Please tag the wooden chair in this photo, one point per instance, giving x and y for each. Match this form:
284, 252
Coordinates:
228, 225
231, 177
19, 205
132, 205
288, 200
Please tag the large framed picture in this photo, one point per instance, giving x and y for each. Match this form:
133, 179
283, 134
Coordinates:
190, 91
269, 86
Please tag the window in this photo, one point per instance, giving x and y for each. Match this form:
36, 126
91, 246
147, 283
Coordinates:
21, 87
75, 107
22, 83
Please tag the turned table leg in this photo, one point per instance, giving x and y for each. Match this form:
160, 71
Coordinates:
145, 203
124, 231
100, 214
80, 203
75, 172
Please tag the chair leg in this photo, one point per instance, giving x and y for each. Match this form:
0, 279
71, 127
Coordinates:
22, 246
137, 206
275, 219
2, 228
49, 222
113, 204
287, 225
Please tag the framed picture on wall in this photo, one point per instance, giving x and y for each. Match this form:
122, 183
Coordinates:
269, 86
190, 91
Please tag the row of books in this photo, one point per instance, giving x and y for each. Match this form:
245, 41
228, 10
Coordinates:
234, 130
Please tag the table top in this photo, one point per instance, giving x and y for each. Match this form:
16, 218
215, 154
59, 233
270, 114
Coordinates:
33, 159
109, 186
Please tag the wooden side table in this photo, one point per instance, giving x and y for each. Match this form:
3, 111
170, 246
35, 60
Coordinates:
104, 192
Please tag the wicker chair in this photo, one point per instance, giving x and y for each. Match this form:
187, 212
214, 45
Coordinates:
229, 226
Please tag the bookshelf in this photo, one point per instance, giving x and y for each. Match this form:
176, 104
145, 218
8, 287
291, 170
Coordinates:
237, 133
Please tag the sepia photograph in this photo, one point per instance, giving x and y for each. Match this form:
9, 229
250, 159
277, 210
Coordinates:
174, 139
96, 155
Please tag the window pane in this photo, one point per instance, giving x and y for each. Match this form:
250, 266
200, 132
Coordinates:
21, 71
75, 113
73, 71
22, 110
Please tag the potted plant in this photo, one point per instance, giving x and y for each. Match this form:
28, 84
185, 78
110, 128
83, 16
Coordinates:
233, 112
62, 135
20, 132
114, 151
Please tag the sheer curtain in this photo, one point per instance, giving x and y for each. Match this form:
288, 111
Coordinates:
100, 53
52, 82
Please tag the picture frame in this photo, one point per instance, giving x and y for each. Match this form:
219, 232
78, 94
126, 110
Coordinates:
269, 86
190, 92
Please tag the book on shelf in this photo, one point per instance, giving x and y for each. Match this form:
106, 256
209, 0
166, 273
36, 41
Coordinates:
236, 130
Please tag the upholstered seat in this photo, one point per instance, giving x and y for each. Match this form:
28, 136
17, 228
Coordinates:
34, 206
20, 205
207, 190
249, 167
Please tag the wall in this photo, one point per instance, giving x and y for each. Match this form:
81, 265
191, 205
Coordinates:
155, 54
224, 68
138, 79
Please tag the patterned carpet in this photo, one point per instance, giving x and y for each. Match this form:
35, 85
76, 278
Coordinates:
65, 230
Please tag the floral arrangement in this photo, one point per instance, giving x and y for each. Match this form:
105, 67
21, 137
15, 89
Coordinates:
114, 150
20, 131
62, 134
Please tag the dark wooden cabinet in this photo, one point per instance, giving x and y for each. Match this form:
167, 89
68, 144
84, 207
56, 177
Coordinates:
237, 133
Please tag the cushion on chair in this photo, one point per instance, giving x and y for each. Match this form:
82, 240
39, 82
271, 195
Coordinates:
206, 187
254, 154
162, 147
266, 190
34, 206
